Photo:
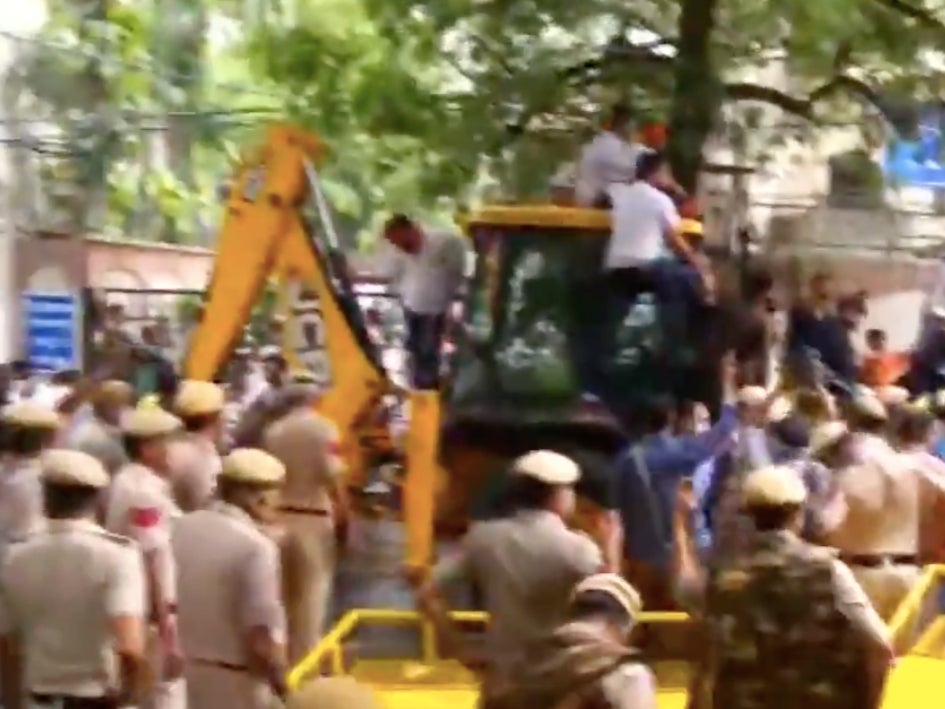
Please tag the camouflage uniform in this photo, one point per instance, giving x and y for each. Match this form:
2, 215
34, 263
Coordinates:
777, 633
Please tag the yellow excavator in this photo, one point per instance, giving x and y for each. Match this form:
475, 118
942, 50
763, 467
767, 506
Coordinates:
265, 234
519, 379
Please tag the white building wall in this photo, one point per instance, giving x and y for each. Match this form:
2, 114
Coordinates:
793, 179
22, 18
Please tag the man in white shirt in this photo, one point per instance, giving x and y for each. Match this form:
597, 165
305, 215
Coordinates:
427, 269
608, 159
647, 252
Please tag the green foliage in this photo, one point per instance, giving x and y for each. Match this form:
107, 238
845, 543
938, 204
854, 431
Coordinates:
426, 104
502, 92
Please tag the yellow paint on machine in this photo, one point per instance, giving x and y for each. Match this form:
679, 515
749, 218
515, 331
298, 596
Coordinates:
430, 682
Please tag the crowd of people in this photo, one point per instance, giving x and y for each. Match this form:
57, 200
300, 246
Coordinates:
133, 533
793, 528
179, 548
193, 534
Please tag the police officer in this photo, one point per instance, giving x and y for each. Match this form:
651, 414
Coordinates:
71, 597
526, 564
140, 506
100, 434
307, 444
788, 624
194, 456
879, 535
32, 428
231, 615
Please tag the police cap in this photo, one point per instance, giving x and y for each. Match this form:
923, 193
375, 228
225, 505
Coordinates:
826, 435
252, 466
72, 468
614, 586
198, 398
302, 376
548, 467
149, 420
868, 405
773, 486
892, 395
31, 414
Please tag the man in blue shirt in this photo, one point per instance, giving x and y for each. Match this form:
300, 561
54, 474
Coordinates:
647, 477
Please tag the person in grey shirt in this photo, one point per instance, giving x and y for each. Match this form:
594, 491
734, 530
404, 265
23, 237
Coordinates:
526, 564
99, 435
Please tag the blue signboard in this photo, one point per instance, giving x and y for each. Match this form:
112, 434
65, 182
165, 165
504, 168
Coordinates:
918, 161
53, 326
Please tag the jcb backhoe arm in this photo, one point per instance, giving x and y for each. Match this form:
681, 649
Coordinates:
259, 213
264, 234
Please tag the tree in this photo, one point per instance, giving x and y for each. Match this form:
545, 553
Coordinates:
124, 119
428, 103
515, 85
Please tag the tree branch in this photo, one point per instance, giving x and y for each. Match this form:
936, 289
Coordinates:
618, 50
804, 106
920, 14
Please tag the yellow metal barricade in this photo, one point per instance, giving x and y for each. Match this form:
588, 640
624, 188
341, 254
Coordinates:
429, 682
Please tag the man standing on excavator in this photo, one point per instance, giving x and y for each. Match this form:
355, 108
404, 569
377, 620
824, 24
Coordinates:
427, 270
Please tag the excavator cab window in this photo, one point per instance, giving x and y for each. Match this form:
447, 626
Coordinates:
537, 305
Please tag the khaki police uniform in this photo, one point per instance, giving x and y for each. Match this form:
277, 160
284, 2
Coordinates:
228, 583
308, 445
931, 472
97, 437
193, 457
21, 494
61, 587
781, 485
879, 535
526, 565
140, 506
333, 693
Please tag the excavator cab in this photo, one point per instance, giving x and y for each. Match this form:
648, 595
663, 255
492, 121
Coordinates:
536, 308
546, 357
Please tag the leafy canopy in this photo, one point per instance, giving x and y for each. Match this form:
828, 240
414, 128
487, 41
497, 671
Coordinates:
429, 103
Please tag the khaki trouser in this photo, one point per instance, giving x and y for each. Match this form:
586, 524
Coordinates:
162, 693
887, 585
308, 574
